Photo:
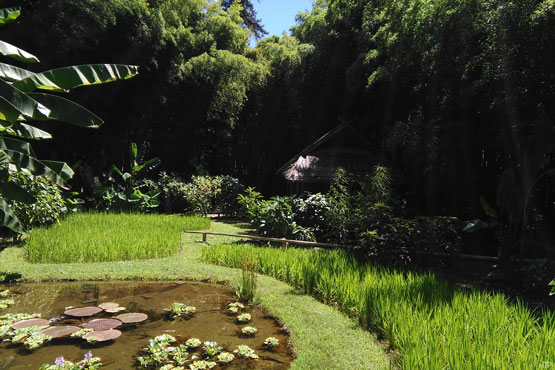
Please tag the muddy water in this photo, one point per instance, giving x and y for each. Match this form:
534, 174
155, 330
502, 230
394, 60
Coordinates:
210, 323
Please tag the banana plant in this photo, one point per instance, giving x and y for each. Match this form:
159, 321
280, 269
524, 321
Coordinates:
26, 99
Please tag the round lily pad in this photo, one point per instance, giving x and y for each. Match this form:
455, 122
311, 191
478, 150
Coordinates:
83, 311
30, 323
60, 331
102, 335
108, 305
101, 324
130, 318
115, 309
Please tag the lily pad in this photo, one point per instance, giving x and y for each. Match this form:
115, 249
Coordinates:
102, 324
108, 305
83, 311
30, 323
102, 335
60, 331
131, 318
116, 309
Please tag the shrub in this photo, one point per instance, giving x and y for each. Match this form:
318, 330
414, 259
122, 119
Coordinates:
49, 203
201, 195
310, 212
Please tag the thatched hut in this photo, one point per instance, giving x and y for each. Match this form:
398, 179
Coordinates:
315, 166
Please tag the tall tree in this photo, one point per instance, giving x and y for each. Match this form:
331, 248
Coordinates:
249, 17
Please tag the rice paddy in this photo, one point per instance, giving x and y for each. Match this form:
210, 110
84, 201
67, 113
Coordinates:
105, 237
431, 324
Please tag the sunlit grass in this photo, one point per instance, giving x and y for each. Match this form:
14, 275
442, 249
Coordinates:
102, 237
431, 324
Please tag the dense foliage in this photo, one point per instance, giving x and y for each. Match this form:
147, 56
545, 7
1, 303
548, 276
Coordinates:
447, 90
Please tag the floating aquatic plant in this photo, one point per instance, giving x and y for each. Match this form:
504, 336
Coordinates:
131, 318
87, 363
102, 335
102, 324
4, 293
225, 358
83, 311
60, 331
235, 307
245, 351
245, 317
211, 349
202, 365
19, 335
80, 333
249, 330
181, 310
4, 303
37, 340
180, 354
271, 342
193, 343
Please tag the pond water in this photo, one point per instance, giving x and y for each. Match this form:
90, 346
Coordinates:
211, 322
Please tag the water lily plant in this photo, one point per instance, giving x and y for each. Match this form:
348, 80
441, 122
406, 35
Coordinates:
271, 342
249, 330
193, 343
225, 358
202, 365
181, 310
235, 307
245, 317
245, 351
211, 349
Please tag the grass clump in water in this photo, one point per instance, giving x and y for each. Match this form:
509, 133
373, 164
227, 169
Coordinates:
105, 237
432, 324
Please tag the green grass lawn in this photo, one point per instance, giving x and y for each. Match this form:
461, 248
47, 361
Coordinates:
322, 337
431, 324
102, 237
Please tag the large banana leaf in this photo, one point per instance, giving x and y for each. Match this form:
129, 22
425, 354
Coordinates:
26, 131
15, 145
9, 219
8, 15
65, 110
61, 168
67, 78
11, 191
14, 103
35, 166
16, 53
142, 169
13, 73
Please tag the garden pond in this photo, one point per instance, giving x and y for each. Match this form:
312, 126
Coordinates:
211, 321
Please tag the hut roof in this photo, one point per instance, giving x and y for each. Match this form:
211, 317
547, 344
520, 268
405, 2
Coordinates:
343, 147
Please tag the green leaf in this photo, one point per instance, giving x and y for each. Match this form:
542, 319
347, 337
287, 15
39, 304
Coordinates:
34, 166
488, 209
133, 152
16, 146
14, 103
146, 167
67, 111
8, 15
11, 191
16, 53
66, 78
26, 131
9, 219
60, 168
12, 73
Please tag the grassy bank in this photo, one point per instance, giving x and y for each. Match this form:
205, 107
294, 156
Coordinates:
321, 336
433, 325
101, 237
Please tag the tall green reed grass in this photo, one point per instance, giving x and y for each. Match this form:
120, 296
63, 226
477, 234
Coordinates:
430, 323
96, 237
